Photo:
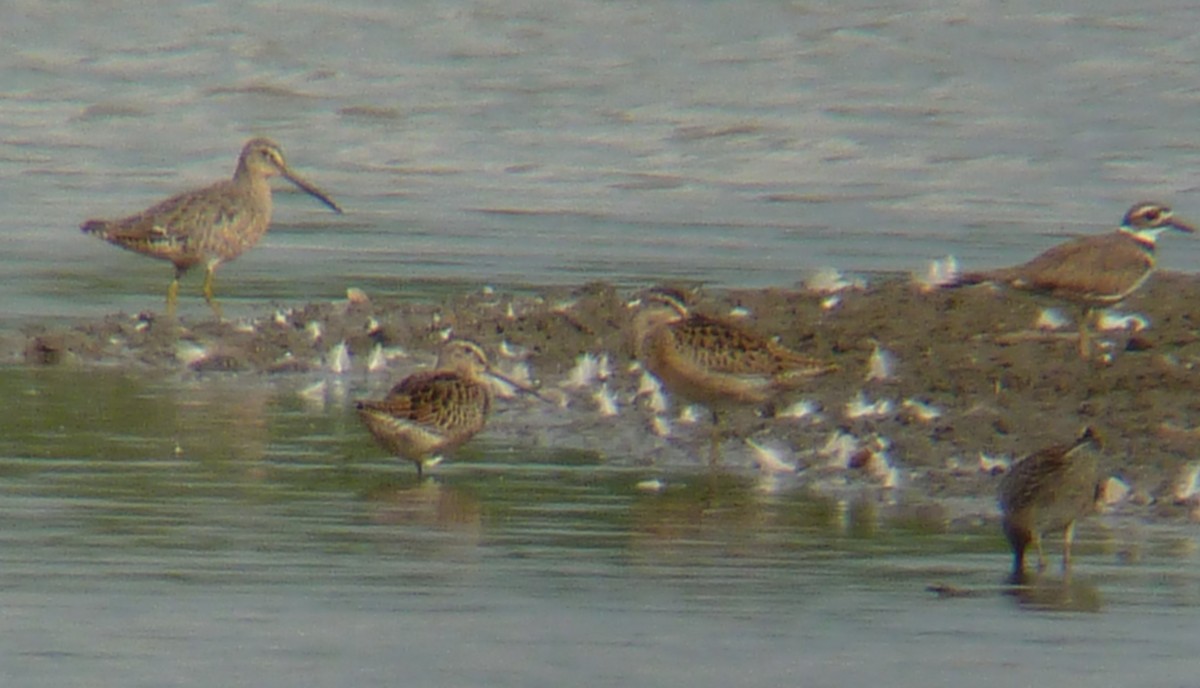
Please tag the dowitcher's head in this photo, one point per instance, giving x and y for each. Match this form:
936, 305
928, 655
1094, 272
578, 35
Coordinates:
263, 158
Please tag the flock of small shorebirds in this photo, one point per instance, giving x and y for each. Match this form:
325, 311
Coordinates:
706, 360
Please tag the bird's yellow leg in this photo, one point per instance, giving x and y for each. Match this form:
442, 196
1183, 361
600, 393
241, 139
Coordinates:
1085, 334
208, 291
714, 455
1068, 538
173, 293
1037, 542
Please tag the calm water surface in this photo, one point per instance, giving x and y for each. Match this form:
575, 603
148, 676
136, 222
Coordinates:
189, 531
163, 530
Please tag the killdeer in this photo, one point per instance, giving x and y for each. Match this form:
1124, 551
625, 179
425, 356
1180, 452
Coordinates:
714, 362
1048, 491
212, 225
1094, 270
435, 411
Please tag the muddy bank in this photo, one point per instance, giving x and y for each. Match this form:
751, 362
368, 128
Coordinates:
970, 378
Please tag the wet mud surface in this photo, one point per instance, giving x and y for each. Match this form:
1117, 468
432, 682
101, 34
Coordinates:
971, 379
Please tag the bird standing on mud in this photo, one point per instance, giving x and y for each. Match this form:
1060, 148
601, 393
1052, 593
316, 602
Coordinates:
714, 362
1094, 270
1048, 491
436, 411
211, 225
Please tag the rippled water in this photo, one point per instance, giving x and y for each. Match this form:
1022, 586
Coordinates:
562, 142
168, 530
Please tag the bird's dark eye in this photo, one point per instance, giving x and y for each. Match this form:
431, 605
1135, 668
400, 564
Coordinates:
1153, 214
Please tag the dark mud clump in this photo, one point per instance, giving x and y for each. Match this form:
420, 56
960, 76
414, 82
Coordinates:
972, 378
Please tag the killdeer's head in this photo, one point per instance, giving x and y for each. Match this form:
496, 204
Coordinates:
1145, 221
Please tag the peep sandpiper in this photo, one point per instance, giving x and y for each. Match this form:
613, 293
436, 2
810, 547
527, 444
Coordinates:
432, 412
1048, 491
715, 362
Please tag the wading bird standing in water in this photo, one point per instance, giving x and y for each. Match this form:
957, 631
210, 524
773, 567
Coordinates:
432, 412
212, 225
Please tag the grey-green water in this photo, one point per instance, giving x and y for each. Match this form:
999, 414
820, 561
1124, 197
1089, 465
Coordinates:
168, 530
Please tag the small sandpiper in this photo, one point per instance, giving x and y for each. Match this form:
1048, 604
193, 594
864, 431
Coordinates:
1048, 491
211, 225
714, 362
436, 411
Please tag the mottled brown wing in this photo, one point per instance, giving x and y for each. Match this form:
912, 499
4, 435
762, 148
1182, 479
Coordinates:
1047, 475
1026, 478
442, 399
180, 226
724, 347
1099, 267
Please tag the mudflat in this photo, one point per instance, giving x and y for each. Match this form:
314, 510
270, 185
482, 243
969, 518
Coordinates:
941, 380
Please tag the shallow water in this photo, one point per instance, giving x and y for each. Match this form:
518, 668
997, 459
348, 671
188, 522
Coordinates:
178, 530
167, 530
524, 142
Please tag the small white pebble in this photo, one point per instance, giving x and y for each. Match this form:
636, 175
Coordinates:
510, 350
921, 411
1109, 321
647, 385
339, 359
830, 302
606, 401
689, 414
839, 449
939, 273
652, 485
993, 464
356, 296
859, 407
770, 459
188, 352
881, 365
829, 281
1115, 491
657, 402
563, 306
800, 409
588, 370
660, 426
1186, 485
739, 312
314, 392
1050, 319
378, 361
314, 330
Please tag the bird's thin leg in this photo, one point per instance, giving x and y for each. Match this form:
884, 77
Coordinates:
1085, 333
714, 456
1037, 542
1068, 538
208, 289
173, 292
